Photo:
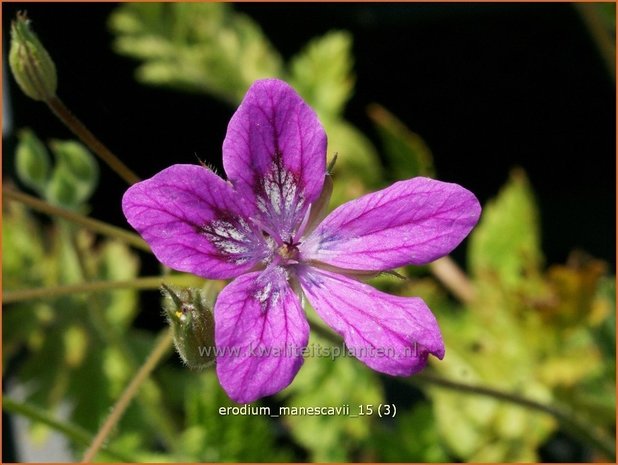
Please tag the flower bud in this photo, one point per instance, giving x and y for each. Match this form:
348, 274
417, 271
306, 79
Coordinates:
75, 175
32, 66
192, 324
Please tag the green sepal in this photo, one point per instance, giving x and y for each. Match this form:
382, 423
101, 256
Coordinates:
191, 319
32, 67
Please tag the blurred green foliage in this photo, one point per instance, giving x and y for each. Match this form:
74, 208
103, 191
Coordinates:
405, 152
210, 48
197, 47
326, 382
546, 332
72, 179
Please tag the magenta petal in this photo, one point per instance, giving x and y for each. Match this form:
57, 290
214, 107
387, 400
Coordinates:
275, 153
260, 334
390, 334
411, 222
194, 221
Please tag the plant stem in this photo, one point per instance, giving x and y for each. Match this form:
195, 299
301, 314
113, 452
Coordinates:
445, 269
159, 419
161, 348
575, 426
88, 223
80, 130
453, 278
146, 282
70, 430
149, 401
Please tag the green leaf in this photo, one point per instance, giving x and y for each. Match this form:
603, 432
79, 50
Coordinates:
332, 381
412, 437
32, 162
605, 333
322, 73
199, 47
505, 246
63, 351
505, 340
77, 160
595, 395
62, 190
527, 331
209, 48
573, 289
118, 263
210, 436
24, 266
75, 175
22, 248
406, 153
358, 169
495, 352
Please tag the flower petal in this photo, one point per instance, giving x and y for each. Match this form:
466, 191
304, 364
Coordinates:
411, 222
260, 334
275, 153
390, 334
194, 221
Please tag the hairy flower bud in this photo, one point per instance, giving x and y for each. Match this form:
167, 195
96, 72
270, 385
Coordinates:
192, 324
32, 66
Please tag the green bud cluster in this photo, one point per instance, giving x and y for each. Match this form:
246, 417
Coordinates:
71, 180
32, 66
32, 161
192, 322
75, 175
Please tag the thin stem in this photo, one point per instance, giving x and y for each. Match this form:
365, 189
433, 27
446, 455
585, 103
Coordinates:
161, 348
108, 230
453, 278
88, 223
70, 430
159, 419
80, 130
146, 282
578, 428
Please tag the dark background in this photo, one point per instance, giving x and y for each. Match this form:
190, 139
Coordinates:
488, 86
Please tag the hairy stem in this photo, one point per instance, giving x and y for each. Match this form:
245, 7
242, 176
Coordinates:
88, 223
161, 348
70, 430
80, 130
146, 282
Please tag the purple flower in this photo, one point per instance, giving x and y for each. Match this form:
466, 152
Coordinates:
262, 228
